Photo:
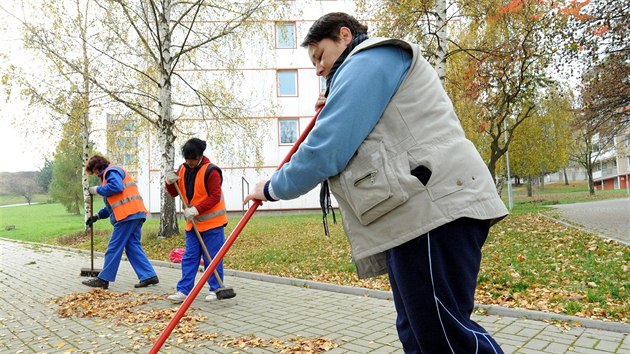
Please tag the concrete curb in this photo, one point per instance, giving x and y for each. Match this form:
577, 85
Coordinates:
350, 290
379, 294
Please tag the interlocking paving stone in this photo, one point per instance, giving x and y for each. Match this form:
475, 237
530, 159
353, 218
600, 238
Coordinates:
361, 324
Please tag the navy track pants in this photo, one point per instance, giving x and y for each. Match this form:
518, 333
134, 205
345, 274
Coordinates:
213, 239
433, 279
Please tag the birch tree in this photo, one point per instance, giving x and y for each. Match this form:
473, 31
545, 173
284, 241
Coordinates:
151, 57
68, 168
56, 33
159, 45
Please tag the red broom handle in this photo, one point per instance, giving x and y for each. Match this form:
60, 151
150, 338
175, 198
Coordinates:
226, 246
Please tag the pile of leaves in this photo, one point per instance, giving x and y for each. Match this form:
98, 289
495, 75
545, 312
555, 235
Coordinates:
292, 345
146, 323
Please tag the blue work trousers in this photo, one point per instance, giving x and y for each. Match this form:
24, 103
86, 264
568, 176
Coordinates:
126, 237
433, 279
213, 240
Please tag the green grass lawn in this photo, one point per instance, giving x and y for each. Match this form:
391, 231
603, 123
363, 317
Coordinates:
16, 199
44, 223
530, 262
559, 193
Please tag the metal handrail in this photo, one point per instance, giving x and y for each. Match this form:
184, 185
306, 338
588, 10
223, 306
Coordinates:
243, 194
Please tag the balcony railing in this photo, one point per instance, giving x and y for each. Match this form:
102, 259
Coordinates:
605, 173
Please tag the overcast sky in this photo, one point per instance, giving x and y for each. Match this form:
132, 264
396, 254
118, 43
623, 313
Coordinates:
19, 151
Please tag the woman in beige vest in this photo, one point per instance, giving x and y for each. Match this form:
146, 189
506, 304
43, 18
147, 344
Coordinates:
416, 199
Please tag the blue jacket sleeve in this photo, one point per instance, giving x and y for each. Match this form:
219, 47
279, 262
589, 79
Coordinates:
103, 213
360, 91
113, 183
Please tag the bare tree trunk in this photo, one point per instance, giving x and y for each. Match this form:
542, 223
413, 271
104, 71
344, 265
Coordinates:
591, 182
589, 172
492, 165
168, 220
499, 183
529, 186
85, 124
566, 178
440, 63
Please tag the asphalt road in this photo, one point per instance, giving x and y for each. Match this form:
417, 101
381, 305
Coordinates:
606, 218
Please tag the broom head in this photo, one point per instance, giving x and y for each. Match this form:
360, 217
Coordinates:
89, 272
225, 293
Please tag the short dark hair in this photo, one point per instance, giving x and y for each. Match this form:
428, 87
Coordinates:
96, 162
328, 26
193, 148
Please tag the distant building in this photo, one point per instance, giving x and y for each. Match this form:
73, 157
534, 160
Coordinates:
573, 173
611, 169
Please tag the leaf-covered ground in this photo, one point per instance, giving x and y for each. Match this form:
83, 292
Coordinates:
147, 323
529, 262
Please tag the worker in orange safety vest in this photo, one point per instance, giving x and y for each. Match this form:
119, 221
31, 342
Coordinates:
126, 211
199, 181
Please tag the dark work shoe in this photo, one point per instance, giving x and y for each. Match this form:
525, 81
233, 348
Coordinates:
147, 282
96, 283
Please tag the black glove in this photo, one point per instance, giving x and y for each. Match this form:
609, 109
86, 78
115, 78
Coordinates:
91, 220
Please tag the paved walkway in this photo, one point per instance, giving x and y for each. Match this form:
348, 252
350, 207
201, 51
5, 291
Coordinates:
261, 319
608, 218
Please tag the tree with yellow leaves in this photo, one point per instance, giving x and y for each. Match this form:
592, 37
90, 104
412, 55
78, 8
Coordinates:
541, 144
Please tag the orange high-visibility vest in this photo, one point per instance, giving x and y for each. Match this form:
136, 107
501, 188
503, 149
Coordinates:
129, 201
217, 215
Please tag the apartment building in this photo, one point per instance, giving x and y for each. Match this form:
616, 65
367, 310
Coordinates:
278, 75
612, 166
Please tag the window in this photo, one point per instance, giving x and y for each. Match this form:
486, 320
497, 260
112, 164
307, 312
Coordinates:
287, 82
627, 140
127, 142
288, 131
628, 158
285, 35
120, 123
128, 159
128, 148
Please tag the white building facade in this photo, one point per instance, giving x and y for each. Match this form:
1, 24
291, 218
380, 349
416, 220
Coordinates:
286, 81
